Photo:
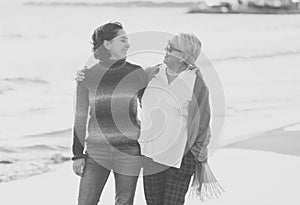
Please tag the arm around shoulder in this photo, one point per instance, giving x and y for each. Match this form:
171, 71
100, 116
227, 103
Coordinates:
151, 71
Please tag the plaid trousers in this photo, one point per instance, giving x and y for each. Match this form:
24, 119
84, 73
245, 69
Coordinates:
169, 186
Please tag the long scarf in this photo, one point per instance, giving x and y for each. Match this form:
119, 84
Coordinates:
204, 184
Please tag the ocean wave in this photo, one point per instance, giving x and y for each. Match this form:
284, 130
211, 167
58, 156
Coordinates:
13, 169
39, 147
59, 158
26, 80
57, 133
13, 35
3, 89
65, 3
5, 162
22, 36
34, 148
153, 3
257, 56
10, 172
7, 150
252, 108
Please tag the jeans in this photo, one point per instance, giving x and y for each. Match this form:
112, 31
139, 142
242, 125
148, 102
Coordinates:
125, 163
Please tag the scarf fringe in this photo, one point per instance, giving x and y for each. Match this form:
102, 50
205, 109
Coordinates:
205, 185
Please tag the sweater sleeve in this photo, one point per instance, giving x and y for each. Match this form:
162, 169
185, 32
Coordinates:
81, 108
144, 82
146, 76
199, 148
151, 72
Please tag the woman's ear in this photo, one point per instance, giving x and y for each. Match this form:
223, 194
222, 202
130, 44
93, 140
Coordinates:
106, 44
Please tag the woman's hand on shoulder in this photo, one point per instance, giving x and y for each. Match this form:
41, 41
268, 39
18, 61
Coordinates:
153, 69
80, 74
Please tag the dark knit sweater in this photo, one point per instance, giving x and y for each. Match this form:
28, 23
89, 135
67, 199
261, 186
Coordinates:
107, 99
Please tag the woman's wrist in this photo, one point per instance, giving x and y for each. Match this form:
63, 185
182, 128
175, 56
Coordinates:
78, 157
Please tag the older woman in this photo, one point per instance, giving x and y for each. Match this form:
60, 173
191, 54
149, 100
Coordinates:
175, 127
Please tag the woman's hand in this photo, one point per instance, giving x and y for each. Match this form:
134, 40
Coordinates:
78, 166
80, 74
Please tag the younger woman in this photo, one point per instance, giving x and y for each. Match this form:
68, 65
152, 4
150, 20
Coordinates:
107, 98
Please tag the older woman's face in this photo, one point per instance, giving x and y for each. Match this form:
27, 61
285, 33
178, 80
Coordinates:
119, 45
173, 53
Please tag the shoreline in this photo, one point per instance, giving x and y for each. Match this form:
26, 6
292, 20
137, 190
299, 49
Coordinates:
279, 140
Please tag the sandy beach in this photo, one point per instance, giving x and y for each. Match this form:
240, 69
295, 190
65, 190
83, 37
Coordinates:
260, 170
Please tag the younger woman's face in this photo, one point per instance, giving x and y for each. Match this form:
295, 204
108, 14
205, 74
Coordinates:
119, 45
